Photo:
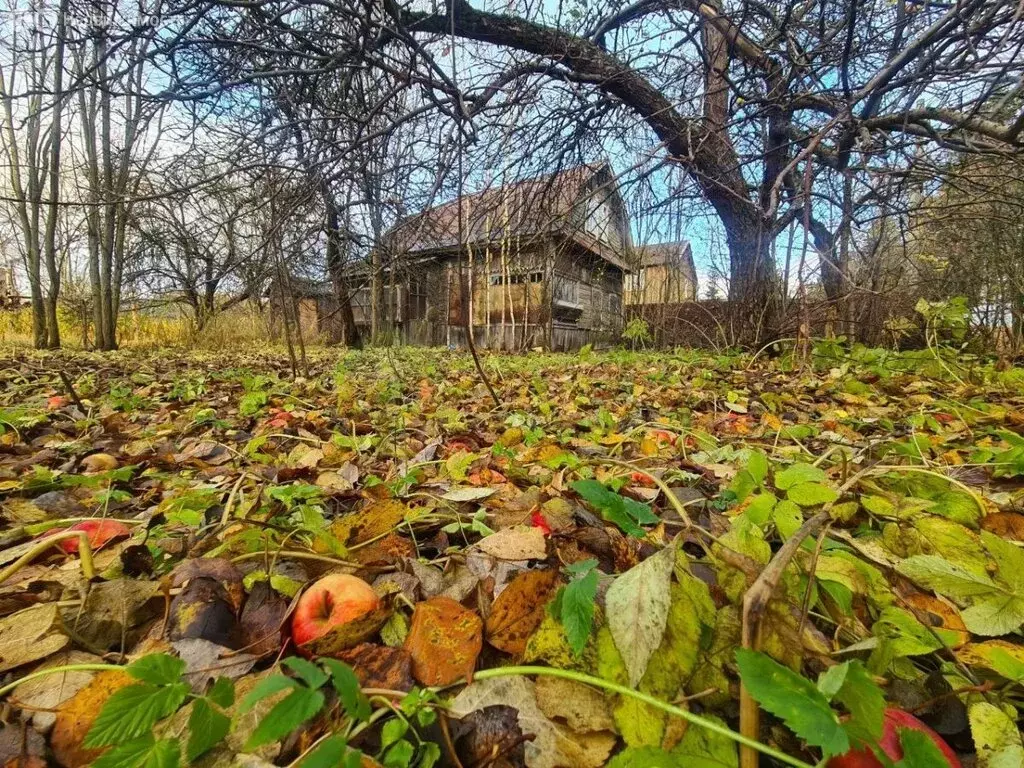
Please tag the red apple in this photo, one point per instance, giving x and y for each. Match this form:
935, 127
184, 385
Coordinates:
337, 598
895, 721
98, 532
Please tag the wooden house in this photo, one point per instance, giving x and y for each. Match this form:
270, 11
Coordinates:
665, 274
536, 263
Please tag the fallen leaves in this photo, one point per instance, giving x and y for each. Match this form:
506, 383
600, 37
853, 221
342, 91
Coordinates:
541, 527
76, 716
444, 641
30, 635
637, 605
519, 610
520, 542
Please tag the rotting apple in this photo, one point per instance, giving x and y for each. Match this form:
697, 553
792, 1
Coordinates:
894, 721
98, 532
337, 598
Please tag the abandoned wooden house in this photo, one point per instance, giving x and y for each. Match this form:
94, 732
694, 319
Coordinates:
664, 274
542, 263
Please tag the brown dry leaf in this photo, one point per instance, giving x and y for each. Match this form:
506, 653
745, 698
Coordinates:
584, 709
392, 548
491, 736
519, 610
520, 542
1009, 525
216, 568
41, 697
112, 609
30, 635
378, 519
934, 612
444, 640
75, 717
206, 661
378, 666
262, 619
553, 746
350, 634
204, 610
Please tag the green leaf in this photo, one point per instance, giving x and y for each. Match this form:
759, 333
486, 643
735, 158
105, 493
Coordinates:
222, 692
399, 755
996, 738
143, 752
644, 757
757, 466
206, 727
288, 714
787, 518
127, 755
574, 605
832, 679
812, 494
637, 605
865, 702
941, 576
701, 748
1009, 560
794, 700
798, 473
157, 668
759, 508
333, 752
626, 513
392, 731
166, 753
430, 753
345, 682
307, 671
995, 615
268, 686
131, 712
919, 751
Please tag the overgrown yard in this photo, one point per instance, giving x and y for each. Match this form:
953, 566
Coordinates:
607, 553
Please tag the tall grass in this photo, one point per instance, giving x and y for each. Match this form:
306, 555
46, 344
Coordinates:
139, 327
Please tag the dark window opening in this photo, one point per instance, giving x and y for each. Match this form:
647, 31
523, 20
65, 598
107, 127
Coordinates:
518, 278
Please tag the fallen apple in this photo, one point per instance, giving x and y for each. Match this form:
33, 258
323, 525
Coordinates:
895, 721
98, 532
336, 599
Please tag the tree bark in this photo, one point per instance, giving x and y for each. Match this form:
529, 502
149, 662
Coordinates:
336, 269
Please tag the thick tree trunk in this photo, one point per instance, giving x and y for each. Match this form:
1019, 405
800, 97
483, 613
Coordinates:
336, 269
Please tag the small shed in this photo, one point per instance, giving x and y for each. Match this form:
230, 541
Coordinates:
312, 303
665, 274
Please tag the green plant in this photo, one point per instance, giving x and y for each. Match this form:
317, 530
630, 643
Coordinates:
139, 721
637, 331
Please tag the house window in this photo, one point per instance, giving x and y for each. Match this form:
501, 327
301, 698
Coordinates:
417, 299
517, 278
568, 290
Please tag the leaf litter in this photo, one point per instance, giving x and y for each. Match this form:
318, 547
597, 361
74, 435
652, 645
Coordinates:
565, 580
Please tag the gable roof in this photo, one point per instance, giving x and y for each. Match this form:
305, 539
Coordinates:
541, 206
677, 254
